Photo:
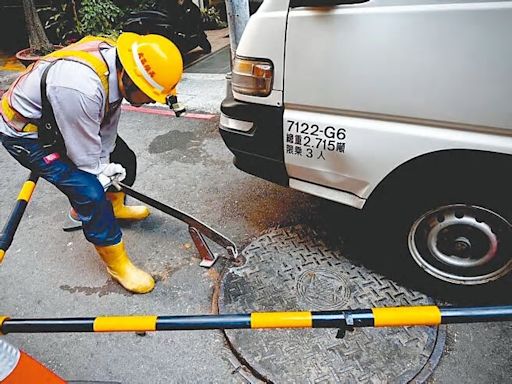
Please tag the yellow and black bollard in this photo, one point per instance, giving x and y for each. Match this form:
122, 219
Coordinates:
341, 320
7, 234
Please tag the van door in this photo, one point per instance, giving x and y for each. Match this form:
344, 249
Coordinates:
366, 85
319, 71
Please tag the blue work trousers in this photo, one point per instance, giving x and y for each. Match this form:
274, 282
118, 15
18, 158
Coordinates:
84, 191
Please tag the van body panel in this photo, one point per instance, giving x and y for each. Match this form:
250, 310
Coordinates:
444, 62
398, 79
263, 38
327, 193
372, 148
369, 87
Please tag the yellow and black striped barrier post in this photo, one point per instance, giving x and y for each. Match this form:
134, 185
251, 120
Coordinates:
7, 234
342, 320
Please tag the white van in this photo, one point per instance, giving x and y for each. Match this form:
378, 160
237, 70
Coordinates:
402, 108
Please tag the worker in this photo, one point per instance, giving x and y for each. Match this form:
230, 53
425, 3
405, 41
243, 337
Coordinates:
60, 120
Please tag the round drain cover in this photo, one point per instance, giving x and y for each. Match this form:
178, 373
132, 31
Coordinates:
288, 269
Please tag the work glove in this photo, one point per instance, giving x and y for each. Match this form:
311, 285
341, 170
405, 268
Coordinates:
111, 172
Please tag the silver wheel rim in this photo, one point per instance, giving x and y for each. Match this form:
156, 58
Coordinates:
462, 244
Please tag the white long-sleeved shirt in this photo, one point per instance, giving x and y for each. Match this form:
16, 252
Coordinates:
78, 101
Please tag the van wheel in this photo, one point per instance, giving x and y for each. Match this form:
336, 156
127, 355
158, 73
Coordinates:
444, 237
461, 244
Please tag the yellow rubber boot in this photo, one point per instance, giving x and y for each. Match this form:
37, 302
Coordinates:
126, 212
120, 267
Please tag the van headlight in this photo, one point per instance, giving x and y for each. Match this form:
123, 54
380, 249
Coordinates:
252, 76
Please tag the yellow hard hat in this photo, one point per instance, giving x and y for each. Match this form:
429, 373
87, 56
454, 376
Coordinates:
153, 63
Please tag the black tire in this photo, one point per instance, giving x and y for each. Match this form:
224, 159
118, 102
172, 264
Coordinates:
445, 231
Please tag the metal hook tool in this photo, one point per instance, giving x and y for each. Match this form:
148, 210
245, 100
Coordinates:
196, 228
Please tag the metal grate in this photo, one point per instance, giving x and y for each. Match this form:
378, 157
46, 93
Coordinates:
288, 269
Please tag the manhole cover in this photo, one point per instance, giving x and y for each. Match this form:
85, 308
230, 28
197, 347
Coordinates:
288, 269
323, 289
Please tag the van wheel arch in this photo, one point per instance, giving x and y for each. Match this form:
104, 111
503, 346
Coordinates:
443, 182
441, 165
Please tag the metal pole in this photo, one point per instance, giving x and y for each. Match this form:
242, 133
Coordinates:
238, 16
341, 320
7, 234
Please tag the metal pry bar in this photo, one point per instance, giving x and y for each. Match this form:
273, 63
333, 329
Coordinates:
197, 229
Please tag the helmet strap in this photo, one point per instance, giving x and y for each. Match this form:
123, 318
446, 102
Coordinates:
120, 81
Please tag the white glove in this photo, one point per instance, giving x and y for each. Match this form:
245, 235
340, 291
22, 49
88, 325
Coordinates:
111, 172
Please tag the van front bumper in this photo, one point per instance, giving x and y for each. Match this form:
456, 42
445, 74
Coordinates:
254, 134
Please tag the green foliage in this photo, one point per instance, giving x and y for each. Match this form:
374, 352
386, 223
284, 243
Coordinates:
61, 22
69, 20
98, 17
212, 19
